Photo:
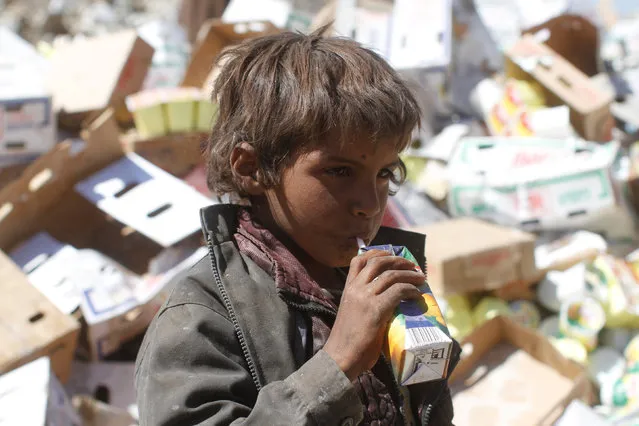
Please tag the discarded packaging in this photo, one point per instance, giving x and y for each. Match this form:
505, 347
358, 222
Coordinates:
31, 326
466, 255
35, 384
512, 375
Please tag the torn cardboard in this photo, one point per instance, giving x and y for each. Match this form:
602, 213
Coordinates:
511, 375
31, 326
88, 75
563, 84
466, 255
31, 395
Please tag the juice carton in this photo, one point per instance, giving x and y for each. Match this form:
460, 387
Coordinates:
418, 343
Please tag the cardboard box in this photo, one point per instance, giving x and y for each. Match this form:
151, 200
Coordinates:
564, 84
88, 75
421, 35
466, 255
510, 375
96, 413
496, 154
27, 121
31, 326
110, 382
141, 195
48, 263
285, 14
175, 154
214, 37
553, 194
31, 395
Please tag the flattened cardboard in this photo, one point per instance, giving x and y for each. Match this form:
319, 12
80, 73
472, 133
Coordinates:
214, 36
31, 395
31, 326
564, 84
509, 375
467, 254
144, 197
92, 74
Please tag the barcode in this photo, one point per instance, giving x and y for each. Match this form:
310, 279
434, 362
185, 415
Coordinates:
426, 335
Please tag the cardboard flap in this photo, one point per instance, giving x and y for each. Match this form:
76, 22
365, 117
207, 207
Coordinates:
24, 201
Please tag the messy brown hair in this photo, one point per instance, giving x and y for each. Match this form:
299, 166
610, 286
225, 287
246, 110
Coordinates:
287, 92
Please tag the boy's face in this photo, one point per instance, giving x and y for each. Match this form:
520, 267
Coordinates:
333, 195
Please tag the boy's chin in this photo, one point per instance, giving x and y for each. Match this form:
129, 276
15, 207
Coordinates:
341, 259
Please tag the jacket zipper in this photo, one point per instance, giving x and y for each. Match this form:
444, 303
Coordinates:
332, 314
232, 316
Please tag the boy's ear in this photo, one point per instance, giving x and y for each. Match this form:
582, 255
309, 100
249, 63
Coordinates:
245, 169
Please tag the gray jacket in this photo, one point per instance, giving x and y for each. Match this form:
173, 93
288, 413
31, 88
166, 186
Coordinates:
226, 349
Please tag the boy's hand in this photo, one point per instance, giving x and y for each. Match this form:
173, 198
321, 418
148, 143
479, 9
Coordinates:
376, 283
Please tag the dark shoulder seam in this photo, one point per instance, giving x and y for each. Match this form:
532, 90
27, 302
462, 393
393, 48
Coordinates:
177, 305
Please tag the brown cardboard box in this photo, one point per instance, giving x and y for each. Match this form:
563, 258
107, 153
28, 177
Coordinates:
468, 254
90, 75
564, 84
575, 38
176, 154
96, 413
31, 326
510, 375
214, 36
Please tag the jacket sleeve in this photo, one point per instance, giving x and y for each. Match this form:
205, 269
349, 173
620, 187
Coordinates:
191, 372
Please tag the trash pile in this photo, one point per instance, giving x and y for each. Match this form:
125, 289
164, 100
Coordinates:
524, 177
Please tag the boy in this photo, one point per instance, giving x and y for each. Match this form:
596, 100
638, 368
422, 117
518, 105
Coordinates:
283, 324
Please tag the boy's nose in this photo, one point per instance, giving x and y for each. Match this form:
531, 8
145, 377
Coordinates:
366, 202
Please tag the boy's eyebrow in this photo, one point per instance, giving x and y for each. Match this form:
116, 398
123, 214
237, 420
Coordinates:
338, 159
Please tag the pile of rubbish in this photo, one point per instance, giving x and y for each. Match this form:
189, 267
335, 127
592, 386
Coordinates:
524, 178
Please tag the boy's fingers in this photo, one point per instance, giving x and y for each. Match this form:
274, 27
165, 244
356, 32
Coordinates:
398, 292
376, 266
390, 277
358, 263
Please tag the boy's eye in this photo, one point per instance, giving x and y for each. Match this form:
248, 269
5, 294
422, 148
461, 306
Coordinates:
338, 171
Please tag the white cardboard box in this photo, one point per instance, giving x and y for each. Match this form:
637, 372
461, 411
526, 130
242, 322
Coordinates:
421, 34
48, 264
146, 198
555, 194
32, 396
27, 120
488, 154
